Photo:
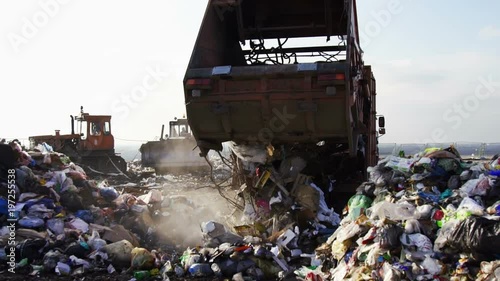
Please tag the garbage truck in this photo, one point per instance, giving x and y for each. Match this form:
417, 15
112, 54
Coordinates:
286, 74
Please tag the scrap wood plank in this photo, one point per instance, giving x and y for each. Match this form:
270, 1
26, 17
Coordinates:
299, 180
280, 186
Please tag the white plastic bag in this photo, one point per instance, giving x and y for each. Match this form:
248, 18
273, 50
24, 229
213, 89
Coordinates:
392, 211
432, 266
95, 242
79, 224
422, 242
472, 206
400, 164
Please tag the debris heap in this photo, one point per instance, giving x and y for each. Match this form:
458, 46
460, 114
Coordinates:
430, 216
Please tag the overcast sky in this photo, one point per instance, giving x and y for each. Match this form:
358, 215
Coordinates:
436, 65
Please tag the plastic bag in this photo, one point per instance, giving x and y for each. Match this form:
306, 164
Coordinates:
108, 193
79, 262
229, 267
389, 236
345, 232
380, 175
56, 226
432, 266
44, 148
57, 180
62, 269
154, 196
339, 272
79, 224
31, 222
454, 182
424, 211
72, 201
304, 271
400, 164
95, 242
340, 247
444, 234
374, 253
85, 215
190, 257
479, 186
429, 197
490, 271
392, 211
357, 205
413, 226
468, 187
142, 259
476, 235
483, 186
51, 259
422, 242
119, 252
324, 213
390, 273
468, 204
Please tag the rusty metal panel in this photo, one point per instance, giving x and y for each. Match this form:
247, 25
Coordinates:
286, 120
293, 18
243, 101
241, 86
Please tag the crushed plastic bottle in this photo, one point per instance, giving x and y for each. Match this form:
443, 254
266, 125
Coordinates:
200, 270
141, 275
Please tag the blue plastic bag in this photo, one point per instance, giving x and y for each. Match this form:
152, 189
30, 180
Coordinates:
109, 193
495, 173
3, 206
85, 215
31, 222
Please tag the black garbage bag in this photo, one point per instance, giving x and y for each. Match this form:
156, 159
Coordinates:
389, 236
8, 160
494, 192
381, 175
51, 259
31, 249
228, 267
72, 201
478, 236
77, 250
454, 182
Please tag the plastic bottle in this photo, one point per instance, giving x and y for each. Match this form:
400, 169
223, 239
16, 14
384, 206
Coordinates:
216, 269
141, 275
200, 270
438, 216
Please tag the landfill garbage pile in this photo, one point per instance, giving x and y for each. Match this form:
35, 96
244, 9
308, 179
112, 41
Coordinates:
55, 219
427, 217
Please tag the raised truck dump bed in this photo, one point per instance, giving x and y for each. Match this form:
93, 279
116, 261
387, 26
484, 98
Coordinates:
281, 72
